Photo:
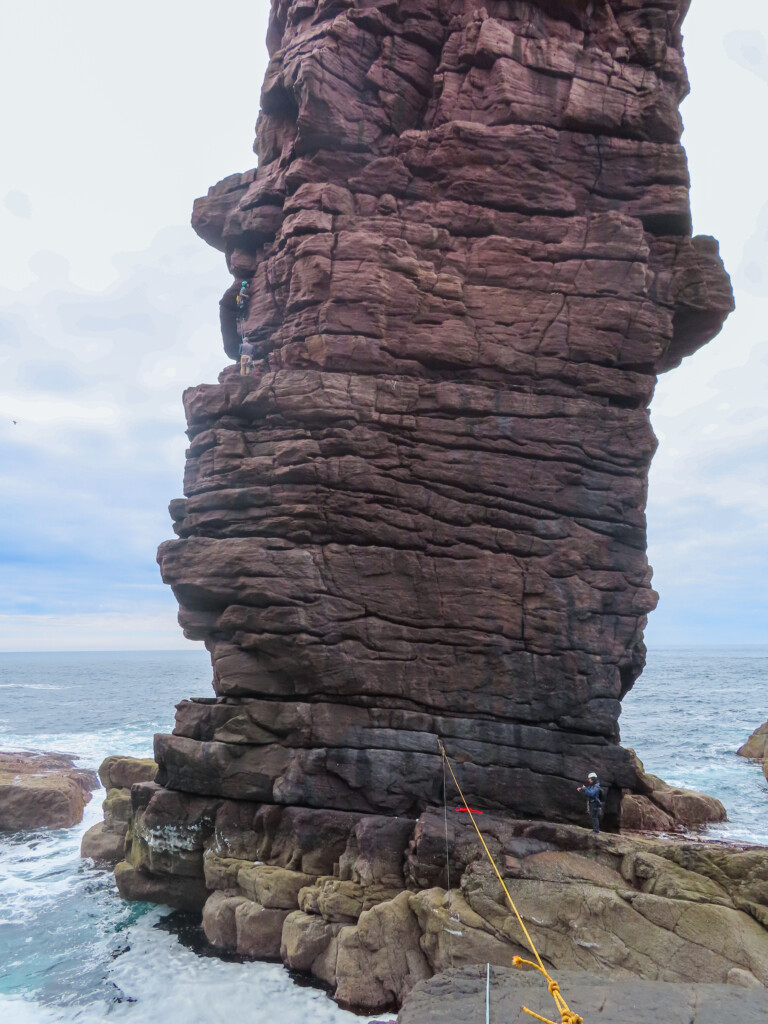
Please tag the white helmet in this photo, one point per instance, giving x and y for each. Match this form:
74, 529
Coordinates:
592, 775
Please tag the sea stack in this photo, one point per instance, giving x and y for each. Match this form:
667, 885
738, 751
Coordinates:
468, 252
463, 259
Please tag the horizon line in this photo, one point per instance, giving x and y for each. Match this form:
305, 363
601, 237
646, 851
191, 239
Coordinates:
181, 650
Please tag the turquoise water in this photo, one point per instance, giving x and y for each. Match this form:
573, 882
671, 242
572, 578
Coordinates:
72, 951
687, 716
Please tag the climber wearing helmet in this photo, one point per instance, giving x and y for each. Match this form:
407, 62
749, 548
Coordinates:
241, 301
594, 795
247, 352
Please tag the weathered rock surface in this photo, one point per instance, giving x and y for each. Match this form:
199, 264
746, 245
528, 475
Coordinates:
370, 906
105, 842
42, 790
756, 747
468, 253
460, 995
659, 807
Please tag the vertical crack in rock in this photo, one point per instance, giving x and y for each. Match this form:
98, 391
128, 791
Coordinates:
469, 254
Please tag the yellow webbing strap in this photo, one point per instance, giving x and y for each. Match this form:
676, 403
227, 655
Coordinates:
567, 1016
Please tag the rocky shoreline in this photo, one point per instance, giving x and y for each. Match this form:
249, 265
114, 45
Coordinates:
369, 905
39, 789
756, 747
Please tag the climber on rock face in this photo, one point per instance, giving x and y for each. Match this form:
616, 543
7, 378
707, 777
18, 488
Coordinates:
247, 352
594, 795
241, 301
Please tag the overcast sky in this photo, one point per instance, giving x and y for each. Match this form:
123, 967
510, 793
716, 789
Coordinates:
115, 117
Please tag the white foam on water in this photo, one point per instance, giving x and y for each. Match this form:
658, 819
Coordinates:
203, 989
74, 953
157, 980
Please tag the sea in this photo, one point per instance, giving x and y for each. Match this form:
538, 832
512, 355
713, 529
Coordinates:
72, 951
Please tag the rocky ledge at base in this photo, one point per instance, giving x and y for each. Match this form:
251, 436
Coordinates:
460, 995
42, 790
105, 842
371, 905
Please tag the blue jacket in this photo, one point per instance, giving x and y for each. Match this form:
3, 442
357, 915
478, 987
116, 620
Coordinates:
593, 792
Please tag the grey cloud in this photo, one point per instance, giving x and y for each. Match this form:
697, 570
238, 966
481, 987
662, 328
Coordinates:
752, 274
17, 203
51, 376
9, 333
139, 322
51, 268
749, 51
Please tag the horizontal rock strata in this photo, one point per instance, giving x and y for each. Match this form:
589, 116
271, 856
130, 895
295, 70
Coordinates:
371, 905
467, 254
42, 790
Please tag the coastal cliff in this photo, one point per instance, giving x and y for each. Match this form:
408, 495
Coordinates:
468, 253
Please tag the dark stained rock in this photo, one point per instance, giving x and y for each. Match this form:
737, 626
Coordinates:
42, 790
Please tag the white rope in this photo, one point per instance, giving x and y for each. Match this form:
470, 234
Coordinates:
487, 994
447, 860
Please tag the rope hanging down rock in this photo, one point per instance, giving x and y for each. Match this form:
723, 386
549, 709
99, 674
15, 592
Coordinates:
567, 1016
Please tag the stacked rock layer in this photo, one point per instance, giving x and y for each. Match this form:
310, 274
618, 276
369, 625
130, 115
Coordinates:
469, 254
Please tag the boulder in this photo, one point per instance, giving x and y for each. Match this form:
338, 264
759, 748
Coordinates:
103, 845
640, 814
756, 746
259, 930
178, 891
304, 939
662, 806
42, 790
219, 923
120, 772
272, 887
468, 252
380, 960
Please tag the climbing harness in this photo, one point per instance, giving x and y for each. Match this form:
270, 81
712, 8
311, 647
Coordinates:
567, 1016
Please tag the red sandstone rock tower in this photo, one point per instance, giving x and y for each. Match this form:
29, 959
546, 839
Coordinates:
469, 250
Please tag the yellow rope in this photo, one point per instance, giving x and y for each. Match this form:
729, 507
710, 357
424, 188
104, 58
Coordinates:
567, 1016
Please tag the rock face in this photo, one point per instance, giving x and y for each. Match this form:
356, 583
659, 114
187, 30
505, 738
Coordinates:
105, 842
659, 807
460, 995
756, 747
372, 905
468, 253
41, 790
